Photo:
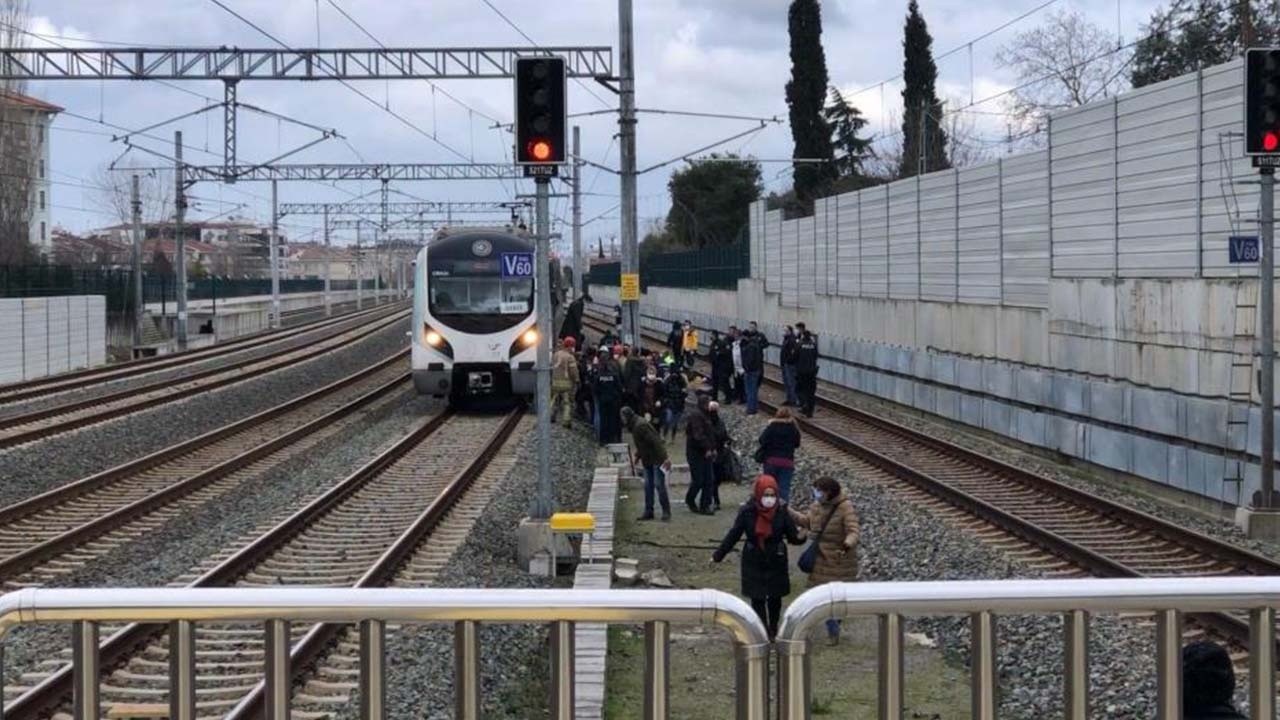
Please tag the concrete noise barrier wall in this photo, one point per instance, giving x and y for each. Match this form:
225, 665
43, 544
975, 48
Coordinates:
49, 335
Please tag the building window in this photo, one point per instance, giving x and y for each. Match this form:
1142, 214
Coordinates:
41, 232
42, 200
41, 168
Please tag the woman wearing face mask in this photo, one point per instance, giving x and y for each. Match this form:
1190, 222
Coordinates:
651, 391
833, 524
766, 523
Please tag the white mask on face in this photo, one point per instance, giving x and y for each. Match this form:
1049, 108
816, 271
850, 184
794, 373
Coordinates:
817, 495
768, 501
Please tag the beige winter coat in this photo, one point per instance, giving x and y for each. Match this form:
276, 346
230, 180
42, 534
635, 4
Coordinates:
838, 546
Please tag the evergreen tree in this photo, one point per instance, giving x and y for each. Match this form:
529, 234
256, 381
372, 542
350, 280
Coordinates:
921, 109
1191, 34
806, 96
846, 122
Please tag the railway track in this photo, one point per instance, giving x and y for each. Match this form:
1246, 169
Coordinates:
83, 379
1075, 532
59, 531
64, 417
394, 521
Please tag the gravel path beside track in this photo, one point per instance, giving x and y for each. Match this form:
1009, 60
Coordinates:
40, 466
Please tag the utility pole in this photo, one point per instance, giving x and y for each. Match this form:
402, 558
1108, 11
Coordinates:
1246, 25
274, 249
1267, 269
359, 273
922, 164
138, 309
627, 134
180, 242
544, 504
578, 276
328, 266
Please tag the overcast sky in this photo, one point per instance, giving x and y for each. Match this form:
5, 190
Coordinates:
724, 56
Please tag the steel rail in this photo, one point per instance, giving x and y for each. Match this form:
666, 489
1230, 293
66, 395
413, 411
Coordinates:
38, 433
63, 382
117, 518
55, 690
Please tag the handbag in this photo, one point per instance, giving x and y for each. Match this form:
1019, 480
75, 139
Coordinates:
809, 558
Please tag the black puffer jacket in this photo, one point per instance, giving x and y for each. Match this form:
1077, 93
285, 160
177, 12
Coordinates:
753, 347
765, 571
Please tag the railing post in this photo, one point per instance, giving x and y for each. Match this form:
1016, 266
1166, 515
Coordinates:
466, 670
1262, 663
276, 661
982, 629
1168, 665
891, 662
373, 670
1075, 672
657, 672
182, 670
562, 656
752, 671
86, 704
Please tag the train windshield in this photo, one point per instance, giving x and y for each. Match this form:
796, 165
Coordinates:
481, 296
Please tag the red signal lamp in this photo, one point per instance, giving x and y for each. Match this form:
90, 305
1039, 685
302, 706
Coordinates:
1270, 141
540, 150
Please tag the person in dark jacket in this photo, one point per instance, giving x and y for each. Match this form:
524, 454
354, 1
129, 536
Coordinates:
608, 389
806, 369
788, 359
675, 393
1208, 682
700, 451
754, 344
652, 454
719, 469
675, 343
632, 379
721, 357
778, 444
652, 390
767, 525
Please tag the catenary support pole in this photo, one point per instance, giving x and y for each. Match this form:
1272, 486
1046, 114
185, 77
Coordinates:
139, 312
544, 503
627, 136
180, 242
328, 267
1267, 351
580, 285
275, 256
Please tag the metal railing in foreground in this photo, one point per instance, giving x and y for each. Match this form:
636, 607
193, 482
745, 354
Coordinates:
372, 609
1169, 599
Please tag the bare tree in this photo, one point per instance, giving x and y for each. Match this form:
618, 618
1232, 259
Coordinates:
1064, 63
114, 189
20, 138
967, 147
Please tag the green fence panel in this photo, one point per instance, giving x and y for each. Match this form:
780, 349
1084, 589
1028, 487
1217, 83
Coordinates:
721, 266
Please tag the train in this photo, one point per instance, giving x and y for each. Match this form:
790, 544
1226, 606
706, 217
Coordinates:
475, 325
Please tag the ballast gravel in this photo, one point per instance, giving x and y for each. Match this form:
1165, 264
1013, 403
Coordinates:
182, 544
36, 467
900, 542
512, 657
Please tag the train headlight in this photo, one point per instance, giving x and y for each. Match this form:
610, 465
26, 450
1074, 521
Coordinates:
530, 337
434, 339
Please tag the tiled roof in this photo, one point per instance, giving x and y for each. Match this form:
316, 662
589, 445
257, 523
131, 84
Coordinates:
15, 98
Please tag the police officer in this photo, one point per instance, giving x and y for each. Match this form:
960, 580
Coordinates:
806, 369
608, 387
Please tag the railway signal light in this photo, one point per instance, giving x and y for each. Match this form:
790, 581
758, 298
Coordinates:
540, 111
1262, 101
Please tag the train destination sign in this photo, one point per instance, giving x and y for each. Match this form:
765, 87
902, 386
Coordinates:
517, 265
1242, 249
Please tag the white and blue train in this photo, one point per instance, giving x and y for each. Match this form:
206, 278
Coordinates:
475, 326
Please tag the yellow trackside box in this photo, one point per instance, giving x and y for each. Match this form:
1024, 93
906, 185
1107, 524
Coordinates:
573, 522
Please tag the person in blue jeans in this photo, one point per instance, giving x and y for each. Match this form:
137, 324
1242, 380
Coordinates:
752, 346
832, 523
778, 444
788, 356
652, 454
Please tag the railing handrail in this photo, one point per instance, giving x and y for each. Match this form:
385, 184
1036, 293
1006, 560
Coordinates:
955, 597
706, 607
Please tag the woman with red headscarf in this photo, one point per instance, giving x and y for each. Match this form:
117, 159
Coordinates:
765, 522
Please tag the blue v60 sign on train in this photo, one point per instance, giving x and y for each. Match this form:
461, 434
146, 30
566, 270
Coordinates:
517, 265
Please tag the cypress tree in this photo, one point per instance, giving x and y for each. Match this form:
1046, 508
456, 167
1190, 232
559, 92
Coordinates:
919, 75
806, 97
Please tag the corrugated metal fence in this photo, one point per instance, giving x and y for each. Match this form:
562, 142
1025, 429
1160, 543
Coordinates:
1135, 186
